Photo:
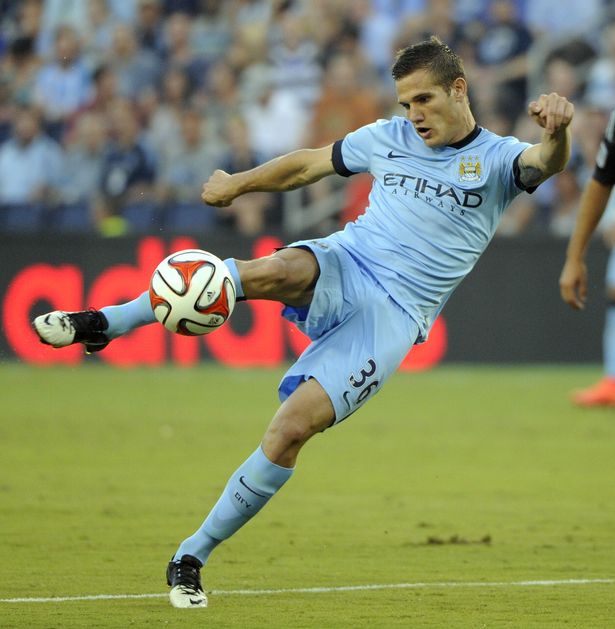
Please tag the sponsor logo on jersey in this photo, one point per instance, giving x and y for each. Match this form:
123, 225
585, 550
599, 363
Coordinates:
434, 193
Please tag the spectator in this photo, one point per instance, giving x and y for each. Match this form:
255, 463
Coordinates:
104, 93
183, 173
64, 85
179, 51
100, 32
565, 204
437, 19
191, 7
554, 19
84, 159
501, 53
248, 214
150, 26
220, 100
57, 13
295, 61
30, 163
562, 76
6, 110
29, 20
269, 110
137, 70
124, 11
588, 132
19, 69
128, 169
165, 121
251, 12
377, 24
600, 88
212, 31
344, 103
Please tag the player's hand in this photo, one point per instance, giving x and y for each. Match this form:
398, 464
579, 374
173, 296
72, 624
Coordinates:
573, 284
219, 190
551, 111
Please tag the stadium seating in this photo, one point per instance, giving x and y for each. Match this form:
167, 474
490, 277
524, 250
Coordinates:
142, 217
71, 217
189, 217
22, 217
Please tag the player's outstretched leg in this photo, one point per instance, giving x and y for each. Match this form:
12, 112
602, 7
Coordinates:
307, 411
97, 328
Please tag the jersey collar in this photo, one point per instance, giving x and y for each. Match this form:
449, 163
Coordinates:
465, 141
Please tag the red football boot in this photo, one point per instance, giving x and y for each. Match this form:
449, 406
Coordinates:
600, 394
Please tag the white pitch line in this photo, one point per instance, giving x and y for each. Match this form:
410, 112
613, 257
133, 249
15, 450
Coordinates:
326, 590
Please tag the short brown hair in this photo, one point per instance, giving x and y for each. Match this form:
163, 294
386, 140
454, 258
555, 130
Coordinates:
432, 55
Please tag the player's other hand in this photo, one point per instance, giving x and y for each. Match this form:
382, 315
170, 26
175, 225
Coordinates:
219, 190
573, 284
551, 111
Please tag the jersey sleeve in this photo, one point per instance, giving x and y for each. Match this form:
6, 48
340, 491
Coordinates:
353, 154
604, 171
509, 151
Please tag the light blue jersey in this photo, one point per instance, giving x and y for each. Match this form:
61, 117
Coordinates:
432, 211
384, 278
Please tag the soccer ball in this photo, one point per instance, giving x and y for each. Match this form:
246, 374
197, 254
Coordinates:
192, 292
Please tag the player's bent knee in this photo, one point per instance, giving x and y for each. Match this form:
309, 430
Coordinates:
290, 431
285, 437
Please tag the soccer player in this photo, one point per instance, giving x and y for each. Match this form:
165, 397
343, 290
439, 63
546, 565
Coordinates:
366, 294
573, 279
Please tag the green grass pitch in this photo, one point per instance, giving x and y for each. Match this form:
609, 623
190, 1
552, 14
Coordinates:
472, 481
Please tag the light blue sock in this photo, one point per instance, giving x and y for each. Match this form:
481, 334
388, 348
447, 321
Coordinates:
247, 492
232, 267
608, 342
128, 316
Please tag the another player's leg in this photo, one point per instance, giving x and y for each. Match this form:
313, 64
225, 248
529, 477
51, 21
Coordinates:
603, 392
307, 411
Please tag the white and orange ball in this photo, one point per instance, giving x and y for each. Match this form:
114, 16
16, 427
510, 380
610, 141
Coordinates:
192, 292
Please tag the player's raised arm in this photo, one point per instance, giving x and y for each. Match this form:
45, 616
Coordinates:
537, 163
286, 172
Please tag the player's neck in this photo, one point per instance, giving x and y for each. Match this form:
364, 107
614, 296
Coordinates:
466, 139
467, 126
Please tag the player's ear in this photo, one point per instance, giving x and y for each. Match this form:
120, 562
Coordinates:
460, 88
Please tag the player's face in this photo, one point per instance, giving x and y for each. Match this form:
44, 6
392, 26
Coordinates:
439, 117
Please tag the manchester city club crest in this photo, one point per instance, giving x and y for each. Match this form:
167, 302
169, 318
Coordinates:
469, 168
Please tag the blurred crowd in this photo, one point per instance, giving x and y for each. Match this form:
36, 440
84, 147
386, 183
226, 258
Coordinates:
114, 112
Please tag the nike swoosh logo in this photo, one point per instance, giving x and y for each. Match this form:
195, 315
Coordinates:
346, 400
250, 488
392, 155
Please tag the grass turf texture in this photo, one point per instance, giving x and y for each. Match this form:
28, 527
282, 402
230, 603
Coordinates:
460, 474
